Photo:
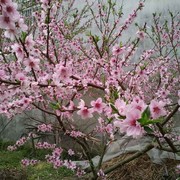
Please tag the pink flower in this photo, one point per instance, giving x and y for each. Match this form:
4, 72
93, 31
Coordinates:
61, 73
30, 63
71, 152
10, 33
29, 42
6, 22
138, 104
45, 128
2, 74
11, 10
18, 50
4, 2
130, 125
98, 105
69, 164
117, 50
141, 35
21, 25
108, 111
157, 109
120, 105
20, 77
25, 162
84, 111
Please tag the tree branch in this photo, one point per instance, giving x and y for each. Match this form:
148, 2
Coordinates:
129, 159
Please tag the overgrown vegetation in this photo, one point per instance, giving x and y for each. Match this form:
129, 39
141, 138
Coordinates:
10, 165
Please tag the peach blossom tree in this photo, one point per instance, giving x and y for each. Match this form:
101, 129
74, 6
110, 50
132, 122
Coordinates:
52, 65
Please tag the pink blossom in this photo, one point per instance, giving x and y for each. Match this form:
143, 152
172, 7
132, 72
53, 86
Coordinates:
120, 105
71, 152
157, 109
10, 33
30, 63
75, 134
98, 105
108, 111
21, 25
44, 145
45, 127
4, 2
20, 77
81, 104
138, 104
141, 35
17, 49
117, 50
62, 73
57, 152
109, 129
84, 111
80, 172
2, 74
57, 163
69, 164
11, 11
29, 42
12, 148
27, 162
130, 125
6, 22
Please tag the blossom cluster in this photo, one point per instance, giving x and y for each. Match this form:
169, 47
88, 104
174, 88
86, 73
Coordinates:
27, 162
44, 145
20, 142
44, 128
10, 19
133, 113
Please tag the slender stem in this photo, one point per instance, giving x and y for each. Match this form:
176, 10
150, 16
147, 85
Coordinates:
48, 112
102, 156
170, 115
167, 139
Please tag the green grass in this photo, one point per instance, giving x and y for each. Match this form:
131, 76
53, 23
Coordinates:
45, 171
10, 159
42, 171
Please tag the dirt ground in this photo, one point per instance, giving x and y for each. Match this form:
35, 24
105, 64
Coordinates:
142, 169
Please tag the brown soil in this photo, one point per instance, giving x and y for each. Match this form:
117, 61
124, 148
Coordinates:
142, 169
12, 174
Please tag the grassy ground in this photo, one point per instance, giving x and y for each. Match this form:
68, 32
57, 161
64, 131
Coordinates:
10, 167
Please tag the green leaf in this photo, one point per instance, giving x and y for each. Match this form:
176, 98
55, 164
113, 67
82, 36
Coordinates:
146, 113
148, 129
121, 44
54, 106
145, 118
114, 109
23, 36
96, 38
147, 122
88, 33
